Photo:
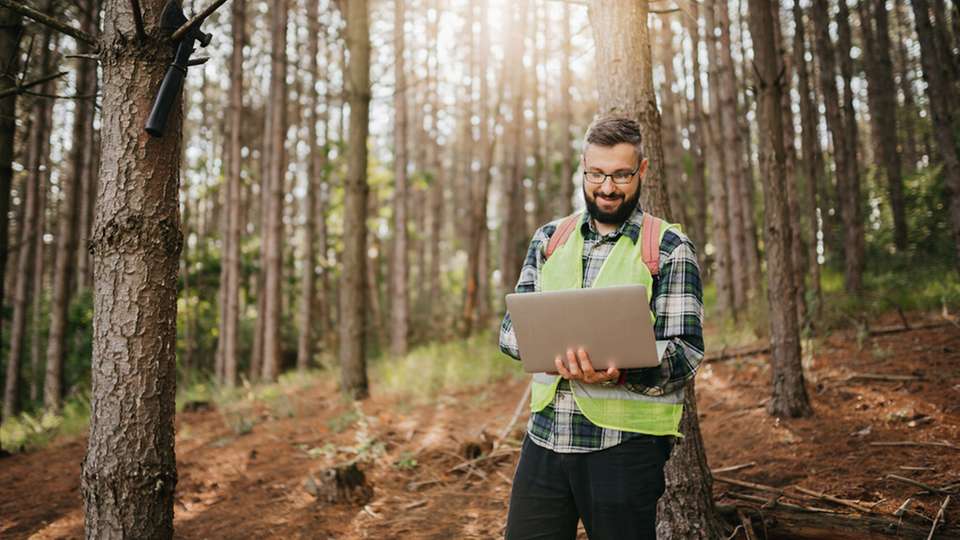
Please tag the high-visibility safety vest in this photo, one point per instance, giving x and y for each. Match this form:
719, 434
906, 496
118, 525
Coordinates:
629, 263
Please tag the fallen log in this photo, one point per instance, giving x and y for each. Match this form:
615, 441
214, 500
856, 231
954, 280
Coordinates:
782, 522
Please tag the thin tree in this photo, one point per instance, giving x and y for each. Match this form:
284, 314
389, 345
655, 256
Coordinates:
67, 226
567, 158
273, 235
789, 393
30, 230
697, 179
882, 97
400, 297
625, 83
936, 71
353, 363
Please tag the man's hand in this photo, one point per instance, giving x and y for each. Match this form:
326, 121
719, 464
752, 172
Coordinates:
581, 369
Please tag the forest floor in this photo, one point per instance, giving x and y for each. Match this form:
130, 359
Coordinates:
242, 469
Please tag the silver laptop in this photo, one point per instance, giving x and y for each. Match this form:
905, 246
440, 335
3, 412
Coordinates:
612, 324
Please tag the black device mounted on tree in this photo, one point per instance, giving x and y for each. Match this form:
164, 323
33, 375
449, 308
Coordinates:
171, 19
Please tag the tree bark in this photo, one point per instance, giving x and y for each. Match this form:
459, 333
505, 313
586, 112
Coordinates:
39, 271
230, 308
882, 97
721, 239
11, 29
789, 393
908, 132
400, 299
273, 245
435, 312
30, 231
625, 82
67, 225
566, 114
936, 73
698, 184
353, 286
129, 472
812, 161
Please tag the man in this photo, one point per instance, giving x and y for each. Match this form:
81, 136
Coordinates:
600, 457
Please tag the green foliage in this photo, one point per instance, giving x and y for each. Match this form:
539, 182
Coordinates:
406, 462
29, 431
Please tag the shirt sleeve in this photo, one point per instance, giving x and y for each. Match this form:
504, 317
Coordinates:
529, 281
678, 306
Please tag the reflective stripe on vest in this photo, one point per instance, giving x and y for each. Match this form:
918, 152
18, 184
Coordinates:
612, 407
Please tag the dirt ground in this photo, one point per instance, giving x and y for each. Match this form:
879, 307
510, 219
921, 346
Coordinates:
247, 480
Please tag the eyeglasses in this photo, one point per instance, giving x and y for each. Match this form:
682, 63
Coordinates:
620, 177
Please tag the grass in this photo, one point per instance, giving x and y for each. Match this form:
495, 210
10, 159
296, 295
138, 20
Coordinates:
30, 431
437, 368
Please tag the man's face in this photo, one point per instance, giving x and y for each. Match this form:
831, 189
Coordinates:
610, 202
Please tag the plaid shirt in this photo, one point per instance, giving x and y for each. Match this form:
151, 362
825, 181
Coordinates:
677, 302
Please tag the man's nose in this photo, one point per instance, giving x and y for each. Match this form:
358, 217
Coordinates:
607, 186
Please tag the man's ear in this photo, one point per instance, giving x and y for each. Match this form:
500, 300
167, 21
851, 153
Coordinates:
643, 167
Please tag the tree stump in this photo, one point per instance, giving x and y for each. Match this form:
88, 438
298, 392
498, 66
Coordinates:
340, 484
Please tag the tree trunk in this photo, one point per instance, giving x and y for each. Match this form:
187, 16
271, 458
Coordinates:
936, 73
273, 246
353, 287
721, 239
67, 225
882, 97
698, 184
908, 115
39, 270
308, 280
566, 105
400, 299
436, 314
30, 231
230, 308
789, 393
136, 246
512, 237
477, 219
836, 124
625, 82
812, 161
673, 152
11, 29
850, 196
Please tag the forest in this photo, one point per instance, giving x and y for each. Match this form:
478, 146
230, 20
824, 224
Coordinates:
266, 304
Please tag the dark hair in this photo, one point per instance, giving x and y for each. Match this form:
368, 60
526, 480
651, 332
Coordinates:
614, 130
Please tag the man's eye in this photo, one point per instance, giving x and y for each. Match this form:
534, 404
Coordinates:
621, 175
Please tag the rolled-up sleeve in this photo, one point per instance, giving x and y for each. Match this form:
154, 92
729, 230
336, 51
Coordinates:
678, 305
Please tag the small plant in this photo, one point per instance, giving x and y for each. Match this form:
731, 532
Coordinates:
343, 421
406, 461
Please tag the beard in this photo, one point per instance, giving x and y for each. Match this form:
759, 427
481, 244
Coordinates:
627, 206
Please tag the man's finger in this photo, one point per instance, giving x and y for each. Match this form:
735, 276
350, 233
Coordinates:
575, 371
585, 364
561, 369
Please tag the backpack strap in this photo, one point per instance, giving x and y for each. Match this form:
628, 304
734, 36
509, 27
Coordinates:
650, 248
561, 234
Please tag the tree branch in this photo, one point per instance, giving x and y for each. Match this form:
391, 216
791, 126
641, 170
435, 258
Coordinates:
195, 20
138, 19
46, 20
21, 88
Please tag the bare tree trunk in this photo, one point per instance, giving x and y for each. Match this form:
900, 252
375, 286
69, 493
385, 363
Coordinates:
512, 237
566, 115
625, 82
789, 393
30, 231
882, 97
908, 131
136, 246
352, 288
936, 73
67, 226
436, 312
273, 246
698, 184
308, 287
812, 161
851, 211
230, 308
673, 152
721, 239
399, 306
39, 270
11, 29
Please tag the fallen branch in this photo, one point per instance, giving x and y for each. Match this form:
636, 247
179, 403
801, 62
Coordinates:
831, 498
774, 503
415, 504
920, 485
751, 485
491, 455
880, 377
733, 468
943, 444
517, 411
939, 516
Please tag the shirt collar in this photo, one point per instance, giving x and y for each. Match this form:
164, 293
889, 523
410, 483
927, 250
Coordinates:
630, 227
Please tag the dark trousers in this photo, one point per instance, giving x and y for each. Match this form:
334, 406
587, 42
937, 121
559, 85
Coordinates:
614, 491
